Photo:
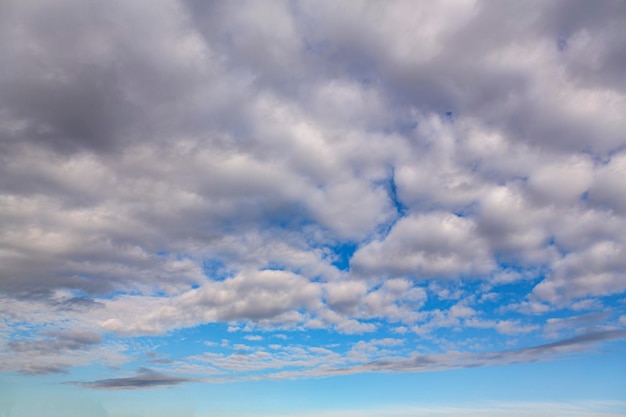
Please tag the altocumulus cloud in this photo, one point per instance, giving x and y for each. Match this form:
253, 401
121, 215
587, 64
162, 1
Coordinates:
445, 176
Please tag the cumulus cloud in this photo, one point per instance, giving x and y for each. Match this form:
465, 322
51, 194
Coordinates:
421, 168
426, 246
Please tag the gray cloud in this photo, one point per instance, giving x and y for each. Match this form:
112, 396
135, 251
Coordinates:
137, 114
77, 337
145, 379
56, 351
170, 164
582, 339
426, 363
78, 303
495, 83
37, 369
57, 341
367, 356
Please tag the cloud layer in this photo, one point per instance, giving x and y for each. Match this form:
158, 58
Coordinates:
397, 169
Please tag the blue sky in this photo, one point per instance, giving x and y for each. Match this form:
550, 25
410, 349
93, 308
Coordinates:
312, 208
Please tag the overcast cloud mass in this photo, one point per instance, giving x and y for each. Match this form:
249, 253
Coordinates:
308, 188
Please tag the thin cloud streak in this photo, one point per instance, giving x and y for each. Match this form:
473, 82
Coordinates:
145, 379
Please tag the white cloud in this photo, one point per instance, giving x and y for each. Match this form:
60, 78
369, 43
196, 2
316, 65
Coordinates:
355, 327
269, 295
608, 187
598, 270
514, 226
563, 181
511, 327
426, 246
188, 163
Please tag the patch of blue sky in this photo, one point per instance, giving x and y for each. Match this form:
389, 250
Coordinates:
341, 253
216, 269
591, 376
392, 191
24, 330
547, 381
584, 196
507, 266
124, 292
189, 340
277, 266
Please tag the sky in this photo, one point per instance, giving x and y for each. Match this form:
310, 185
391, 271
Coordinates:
312, 208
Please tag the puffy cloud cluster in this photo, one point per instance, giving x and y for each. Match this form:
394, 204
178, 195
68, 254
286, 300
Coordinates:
308, 165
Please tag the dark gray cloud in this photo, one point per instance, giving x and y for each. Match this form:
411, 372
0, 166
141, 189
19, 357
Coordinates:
63, 94
53, 353
78, 303
77, 337
57, 342
582, 339
145, 379
37, 369
57, 351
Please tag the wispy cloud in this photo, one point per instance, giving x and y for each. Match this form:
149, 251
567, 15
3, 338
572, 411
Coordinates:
492, 409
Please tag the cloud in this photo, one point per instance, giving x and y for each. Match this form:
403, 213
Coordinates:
145, 379
426, 246
58, 354
373, 355
58, 341
579, 323
422, 363
580, 340
497, 409
598, 270
432, 170
256, 296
